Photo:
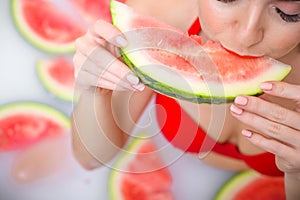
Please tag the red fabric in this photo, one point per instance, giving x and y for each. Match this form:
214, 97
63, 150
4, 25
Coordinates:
182, 132
195, 27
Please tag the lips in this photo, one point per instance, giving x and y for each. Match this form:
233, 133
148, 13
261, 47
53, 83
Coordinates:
241, 53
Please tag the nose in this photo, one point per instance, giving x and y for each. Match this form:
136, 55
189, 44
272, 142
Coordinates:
250, 28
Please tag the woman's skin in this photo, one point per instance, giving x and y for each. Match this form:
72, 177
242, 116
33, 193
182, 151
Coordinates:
254, 124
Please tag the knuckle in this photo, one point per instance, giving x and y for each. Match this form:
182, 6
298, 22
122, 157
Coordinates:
280, 89
77, 42
254, 104
274, 128
279, 113
251, 119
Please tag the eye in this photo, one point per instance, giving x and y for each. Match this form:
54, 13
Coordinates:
286, 17
226, 1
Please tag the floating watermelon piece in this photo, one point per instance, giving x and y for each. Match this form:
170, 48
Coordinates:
24, 123
250, 185
57, 75
175, 64
45, 26
140, 173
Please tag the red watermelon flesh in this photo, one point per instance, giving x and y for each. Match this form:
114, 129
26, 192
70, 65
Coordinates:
63, 72
57, 76
144, 178
23, 124
266, 188
45, 25
49, 22
250, 185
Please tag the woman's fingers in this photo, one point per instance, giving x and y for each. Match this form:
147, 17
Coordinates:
273, 127
282, 89
97, 60
92, 80
269, 128
104, 30
269, 110
108, 67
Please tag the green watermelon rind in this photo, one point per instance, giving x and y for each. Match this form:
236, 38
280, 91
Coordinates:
50, 85
197, 97
122, 160
34, 107
277, 72
33, 38
236, 183
172, 91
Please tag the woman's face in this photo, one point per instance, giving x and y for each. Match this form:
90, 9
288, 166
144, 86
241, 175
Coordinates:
253, 27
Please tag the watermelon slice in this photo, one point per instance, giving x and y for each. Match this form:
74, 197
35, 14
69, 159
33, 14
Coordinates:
250, 185
45, 26
139, 173
57, 76
91, 10
25, 123
175, 64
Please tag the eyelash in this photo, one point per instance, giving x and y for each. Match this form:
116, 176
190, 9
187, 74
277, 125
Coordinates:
284, 16
226, 1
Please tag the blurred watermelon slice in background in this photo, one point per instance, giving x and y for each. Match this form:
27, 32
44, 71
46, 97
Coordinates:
45, 25
25, 123
57, 76
91, 10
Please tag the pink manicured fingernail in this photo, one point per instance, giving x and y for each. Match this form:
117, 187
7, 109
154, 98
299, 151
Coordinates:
139, 87
236, 109
121, 41
247, 133
240, 100
266, 86
132, 79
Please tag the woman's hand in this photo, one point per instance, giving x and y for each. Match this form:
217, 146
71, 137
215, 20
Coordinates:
273, 128
97, 61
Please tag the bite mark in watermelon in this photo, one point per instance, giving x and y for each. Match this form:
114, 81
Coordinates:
25, 123
139, 173
45, 26
250, 185
57, 76
171, 62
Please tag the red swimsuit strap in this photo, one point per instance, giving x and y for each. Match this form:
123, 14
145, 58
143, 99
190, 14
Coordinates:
195, 28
